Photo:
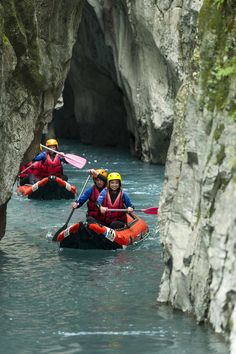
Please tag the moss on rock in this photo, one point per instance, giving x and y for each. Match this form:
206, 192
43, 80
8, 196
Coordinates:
20, 28
217, 27
219, 129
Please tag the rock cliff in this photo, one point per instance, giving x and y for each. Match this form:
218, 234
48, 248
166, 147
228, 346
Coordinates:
36, 40
152, 42
198, 204
128, 63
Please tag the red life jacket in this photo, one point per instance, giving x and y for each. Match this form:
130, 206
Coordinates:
36, 169
25, 174
92, 209
118, 204
50, 167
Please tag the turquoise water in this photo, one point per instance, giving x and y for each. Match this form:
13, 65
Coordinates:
73, 301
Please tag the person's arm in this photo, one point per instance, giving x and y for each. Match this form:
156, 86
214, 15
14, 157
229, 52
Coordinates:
127, 202
84, 197
101, 197
40, 157
98, 175
100, 200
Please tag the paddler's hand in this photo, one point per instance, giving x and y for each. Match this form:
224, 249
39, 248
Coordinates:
103, 210
93, 173
129, 209
75, 205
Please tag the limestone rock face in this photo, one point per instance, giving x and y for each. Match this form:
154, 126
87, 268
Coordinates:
152, 42
138, 52
198, 203
36, 40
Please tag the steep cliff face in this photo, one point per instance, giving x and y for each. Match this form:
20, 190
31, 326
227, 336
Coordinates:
132, 53
36, 40
198, 203
151, 42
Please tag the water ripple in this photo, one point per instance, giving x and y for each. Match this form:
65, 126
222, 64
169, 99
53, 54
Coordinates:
111, 333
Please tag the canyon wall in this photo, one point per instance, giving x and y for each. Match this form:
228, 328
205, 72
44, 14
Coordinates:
152, 43
198, 203
36, 40
128, 63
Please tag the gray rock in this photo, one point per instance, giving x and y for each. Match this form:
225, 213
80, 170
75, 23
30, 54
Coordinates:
197, 208
36, 46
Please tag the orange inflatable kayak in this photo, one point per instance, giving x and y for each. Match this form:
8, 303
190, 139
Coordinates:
95, 236
48, 188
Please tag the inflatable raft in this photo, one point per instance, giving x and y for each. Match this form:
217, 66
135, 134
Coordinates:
48, 188
96, 236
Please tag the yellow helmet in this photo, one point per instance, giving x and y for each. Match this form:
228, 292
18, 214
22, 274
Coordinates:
52, 142
112, 176
102, 172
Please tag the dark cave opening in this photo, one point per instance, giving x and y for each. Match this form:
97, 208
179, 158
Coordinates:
94, 111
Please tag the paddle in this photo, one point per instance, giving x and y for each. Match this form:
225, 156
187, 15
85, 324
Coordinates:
26, 169
72, 159
71, 213
149, 211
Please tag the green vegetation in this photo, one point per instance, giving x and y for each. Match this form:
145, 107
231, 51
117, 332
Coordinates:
217, 27
4, 40
218, 3
218, 131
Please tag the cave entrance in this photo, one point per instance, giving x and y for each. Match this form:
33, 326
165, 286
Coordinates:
94, 111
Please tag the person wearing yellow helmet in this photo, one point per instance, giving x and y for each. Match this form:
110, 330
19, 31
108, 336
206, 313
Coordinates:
91, 194
52, 143
50, 163
113, 197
